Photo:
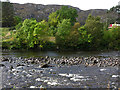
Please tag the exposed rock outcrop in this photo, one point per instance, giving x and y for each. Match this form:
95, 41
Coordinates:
40, 12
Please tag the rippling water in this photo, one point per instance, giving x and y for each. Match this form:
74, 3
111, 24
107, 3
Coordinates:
56, 53
77, 76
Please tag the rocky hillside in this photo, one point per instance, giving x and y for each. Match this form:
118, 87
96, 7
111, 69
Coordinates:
40, 12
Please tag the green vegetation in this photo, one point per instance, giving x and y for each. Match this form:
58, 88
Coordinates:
62, 32
29, 34
67, 13
111, 39
95, 28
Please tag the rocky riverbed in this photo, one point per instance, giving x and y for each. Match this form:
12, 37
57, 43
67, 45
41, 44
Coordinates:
60, 72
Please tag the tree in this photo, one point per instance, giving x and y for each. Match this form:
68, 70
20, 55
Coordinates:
53, 19
95, 28
115, 38
111, 38
73, 39
53, 22
52, 31
57, 17
78, 37
67, 13
84, 36
29, 34
63, 30
76, 25
7, 14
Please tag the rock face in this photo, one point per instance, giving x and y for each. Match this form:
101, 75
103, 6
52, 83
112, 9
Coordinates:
41, 12
37, 11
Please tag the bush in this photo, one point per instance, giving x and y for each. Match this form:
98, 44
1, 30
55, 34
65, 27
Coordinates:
29, 33
95, 28
63, 30
111, 38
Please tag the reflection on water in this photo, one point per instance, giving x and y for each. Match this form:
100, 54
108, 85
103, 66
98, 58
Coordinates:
57, 54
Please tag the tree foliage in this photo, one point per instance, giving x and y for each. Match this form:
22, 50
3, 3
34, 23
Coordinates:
84, 36
66, 37
53, 19
111, 38
63, 30
67, 13
57, 17
29, 33
95, 28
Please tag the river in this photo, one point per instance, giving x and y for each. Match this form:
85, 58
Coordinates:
58, 54
75, 76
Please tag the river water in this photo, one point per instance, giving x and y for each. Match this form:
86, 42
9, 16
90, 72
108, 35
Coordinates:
58, 54
76, 76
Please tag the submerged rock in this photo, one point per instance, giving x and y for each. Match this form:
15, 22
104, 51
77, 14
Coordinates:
11, 67
3, 59
44, 65
20, 65
2, 65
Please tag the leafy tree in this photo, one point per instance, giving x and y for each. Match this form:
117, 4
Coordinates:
7, 14
79, 38
63, 30
53, 19
29, 33
114, 39
53, 22
106, 38
67, 13
52, 31
76, 25
84, 36
72, 39
95, 28
64, 13
112, 9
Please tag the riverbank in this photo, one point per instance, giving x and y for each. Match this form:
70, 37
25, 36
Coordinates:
9, 41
